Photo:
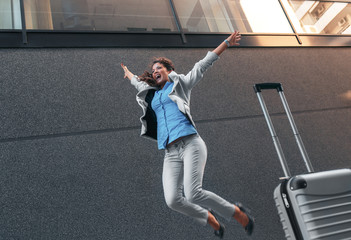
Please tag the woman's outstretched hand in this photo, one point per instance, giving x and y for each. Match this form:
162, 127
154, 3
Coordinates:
234, 39
127, 74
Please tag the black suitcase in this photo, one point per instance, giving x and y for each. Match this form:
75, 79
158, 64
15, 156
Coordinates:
312, 205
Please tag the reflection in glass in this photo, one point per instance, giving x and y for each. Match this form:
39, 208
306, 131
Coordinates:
204, 16
109, 15
208, 16
38, 14
319, 17
10, 14
246, 16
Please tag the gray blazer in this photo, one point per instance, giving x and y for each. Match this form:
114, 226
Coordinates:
180, 94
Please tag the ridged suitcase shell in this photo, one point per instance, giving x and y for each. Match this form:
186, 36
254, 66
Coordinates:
322, 206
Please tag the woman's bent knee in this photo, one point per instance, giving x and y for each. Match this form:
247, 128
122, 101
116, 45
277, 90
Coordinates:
194, 197
174, 203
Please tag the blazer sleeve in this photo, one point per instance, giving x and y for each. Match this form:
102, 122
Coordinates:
139, 85
196, 74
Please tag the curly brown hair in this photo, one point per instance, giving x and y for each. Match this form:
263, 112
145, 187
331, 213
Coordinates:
147, 77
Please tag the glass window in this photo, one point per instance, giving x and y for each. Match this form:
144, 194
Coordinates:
10, 14
38, 14
319, 17
203, 16
105, 15
247, 16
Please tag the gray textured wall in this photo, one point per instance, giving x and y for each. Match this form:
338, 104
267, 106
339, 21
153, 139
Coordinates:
74, 167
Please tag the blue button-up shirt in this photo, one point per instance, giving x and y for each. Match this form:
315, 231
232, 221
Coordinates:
171, 123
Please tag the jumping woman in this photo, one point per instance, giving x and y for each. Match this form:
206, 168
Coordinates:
164, 97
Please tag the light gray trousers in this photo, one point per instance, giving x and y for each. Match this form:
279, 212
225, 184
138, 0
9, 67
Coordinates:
183, 170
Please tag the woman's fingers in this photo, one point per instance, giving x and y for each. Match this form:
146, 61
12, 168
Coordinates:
125, 70
124, 67
234, 38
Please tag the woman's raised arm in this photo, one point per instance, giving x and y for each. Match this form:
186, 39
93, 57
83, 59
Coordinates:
134, 80
232, 40
127, 74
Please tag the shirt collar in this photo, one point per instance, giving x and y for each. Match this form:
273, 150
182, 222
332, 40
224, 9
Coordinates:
164, 87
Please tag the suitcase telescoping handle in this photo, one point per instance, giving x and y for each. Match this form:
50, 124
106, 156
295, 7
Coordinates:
278, 86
